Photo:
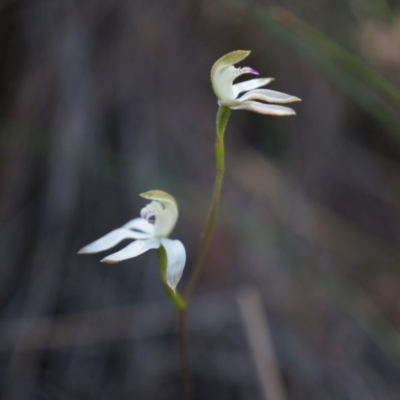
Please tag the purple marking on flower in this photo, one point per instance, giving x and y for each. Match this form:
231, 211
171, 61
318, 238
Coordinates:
247, 70
253, 71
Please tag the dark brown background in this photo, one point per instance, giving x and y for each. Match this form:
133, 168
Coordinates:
101, 100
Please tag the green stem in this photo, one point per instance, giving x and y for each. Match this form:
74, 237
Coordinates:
222, 120
184, 355
175, 298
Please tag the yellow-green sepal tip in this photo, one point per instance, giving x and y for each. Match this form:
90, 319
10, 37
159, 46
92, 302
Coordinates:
230, 59
158, 195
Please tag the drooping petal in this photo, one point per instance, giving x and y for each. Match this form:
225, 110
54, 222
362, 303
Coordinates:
270, 96
140, 224
250, 85
132, 250
267, 109
176, 259
110, 240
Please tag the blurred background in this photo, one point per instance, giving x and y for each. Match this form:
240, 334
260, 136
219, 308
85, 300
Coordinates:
299, 297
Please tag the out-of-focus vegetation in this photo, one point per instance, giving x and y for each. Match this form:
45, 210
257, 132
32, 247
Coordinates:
300, 294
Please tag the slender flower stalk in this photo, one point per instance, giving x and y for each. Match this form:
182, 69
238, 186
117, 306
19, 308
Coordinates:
222, 120
248, 96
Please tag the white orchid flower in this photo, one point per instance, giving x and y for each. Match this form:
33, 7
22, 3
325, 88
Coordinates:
251, 98
151, 231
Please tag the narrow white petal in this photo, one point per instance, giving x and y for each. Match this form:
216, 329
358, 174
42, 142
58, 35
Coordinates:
132, 250
250, 85
270, 96
176, 259
267, 109
139, 224
108, 241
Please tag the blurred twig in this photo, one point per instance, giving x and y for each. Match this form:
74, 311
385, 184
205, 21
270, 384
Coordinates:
260, 341
333, 234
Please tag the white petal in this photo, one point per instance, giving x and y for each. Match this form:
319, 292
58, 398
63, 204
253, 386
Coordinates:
109, 240
176, 259
132, 250
267, 109
140, 224
223, 74
250, 85
270, 96
222, 83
